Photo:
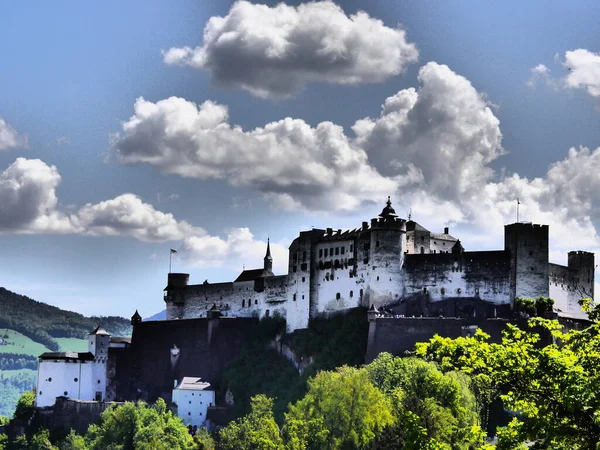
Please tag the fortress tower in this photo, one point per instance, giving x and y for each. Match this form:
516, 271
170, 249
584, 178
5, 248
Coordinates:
527, 245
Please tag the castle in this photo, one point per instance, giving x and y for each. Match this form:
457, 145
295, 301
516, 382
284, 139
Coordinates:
398, 265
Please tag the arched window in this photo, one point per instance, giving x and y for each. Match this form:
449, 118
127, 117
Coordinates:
351, 294
338, 296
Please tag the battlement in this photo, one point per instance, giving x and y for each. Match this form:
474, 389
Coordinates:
580, 259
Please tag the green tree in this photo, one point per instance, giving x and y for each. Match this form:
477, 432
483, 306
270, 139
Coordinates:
554, 388
25, 404
41, 441
3, 441
432, 407
137, 426
255, 431
342, 409
73, 441
204, 440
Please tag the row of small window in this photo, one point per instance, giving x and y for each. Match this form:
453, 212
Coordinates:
458, 291
49, 380
210, 404
339, 296
294, 297
324, 252
249, 303
64, 393
303, 268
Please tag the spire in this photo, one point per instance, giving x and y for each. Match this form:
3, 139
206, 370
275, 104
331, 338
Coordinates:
136, 318
268, 259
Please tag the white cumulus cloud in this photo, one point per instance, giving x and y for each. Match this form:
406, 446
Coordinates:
9, 138
293, 163
584, 71
275, 51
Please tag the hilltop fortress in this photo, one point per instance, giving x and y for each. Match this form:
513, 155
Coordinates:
397, 265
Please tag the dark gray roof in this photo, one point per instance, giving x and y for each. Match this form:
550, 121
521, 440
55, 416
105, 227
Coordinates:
120, 340
411, 225
443, 236
253, 274
68, 356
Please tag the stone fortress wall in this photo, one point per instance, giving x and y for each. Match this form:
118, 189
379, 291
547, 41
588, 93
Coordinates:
393, 263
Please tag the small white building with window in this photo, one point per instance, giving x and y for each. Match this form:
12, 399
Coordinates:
78, 375
193, 397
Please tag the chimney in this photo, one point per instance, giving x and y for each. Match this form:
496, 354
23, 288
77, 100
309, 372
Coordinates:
446, 230
365, 225
329, 231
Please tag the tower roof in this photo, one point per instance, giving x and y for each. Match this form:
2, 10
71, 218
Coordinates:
136, 315
99, 331
388, 210
268, 254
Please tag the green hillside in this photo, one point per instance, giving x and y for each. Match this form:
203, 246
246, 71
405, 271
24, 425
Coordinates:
43, 323
29, 328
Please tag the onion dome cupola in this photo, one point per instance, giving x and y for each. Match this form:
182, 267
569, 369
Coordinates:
388, 211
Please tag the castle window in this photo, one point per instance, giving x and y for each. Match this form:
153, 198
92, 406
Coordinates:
294, 298
338, 296
377, 244
343, 250
443, 291
477, 291
458, 290
75, 379
295, 269
303, 279
422, 250
189, 413
256, 302
366, 261
532, 269
425, 290
407, 238
320, 253
50, 379
65, 393
377, 278
325, 253
267, 312
303, 256
351, 294
40, 392
243, 303
337, 250
422, 238
303, 267
327, 276
351, 247
302, 296
361, 293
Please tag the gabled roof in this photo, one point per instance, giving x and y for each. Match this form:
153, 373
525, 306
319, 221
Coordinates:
411, 225
99, 331
253, 274
68, 356
443, 236
120, 340
193, 384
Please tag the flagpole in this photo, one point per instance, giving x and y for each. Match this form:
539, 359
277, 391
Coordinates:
170, 255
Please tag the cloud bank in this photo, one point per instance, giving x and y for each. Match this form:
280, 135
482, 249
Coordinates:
273, 52
29, 205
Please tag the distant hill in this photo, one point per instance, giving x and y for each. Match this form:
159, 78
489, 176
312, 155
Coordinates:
162, 315
43, 323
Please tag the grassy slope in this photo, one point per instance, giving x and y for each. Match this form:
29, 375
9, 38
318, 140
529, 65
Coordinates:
17, 343
72, 344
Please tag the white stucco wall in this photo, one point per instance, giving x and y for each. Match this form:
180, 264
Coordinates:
74, 379
192, 405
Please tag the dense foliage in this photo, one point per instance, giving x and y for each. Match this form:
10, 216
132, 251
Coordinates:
12, 386
16, 361
330, 343
554, 387
42, 322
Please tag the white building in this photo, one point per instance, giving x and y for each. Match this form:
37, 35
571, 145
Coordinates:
193, 397
81, 376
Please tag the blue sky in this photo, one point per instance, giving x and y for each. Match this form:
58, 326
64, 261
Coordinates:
479, 132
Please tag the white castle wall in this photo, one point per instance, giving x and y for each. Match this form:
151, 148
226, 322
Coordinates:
192, 405
75, 379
